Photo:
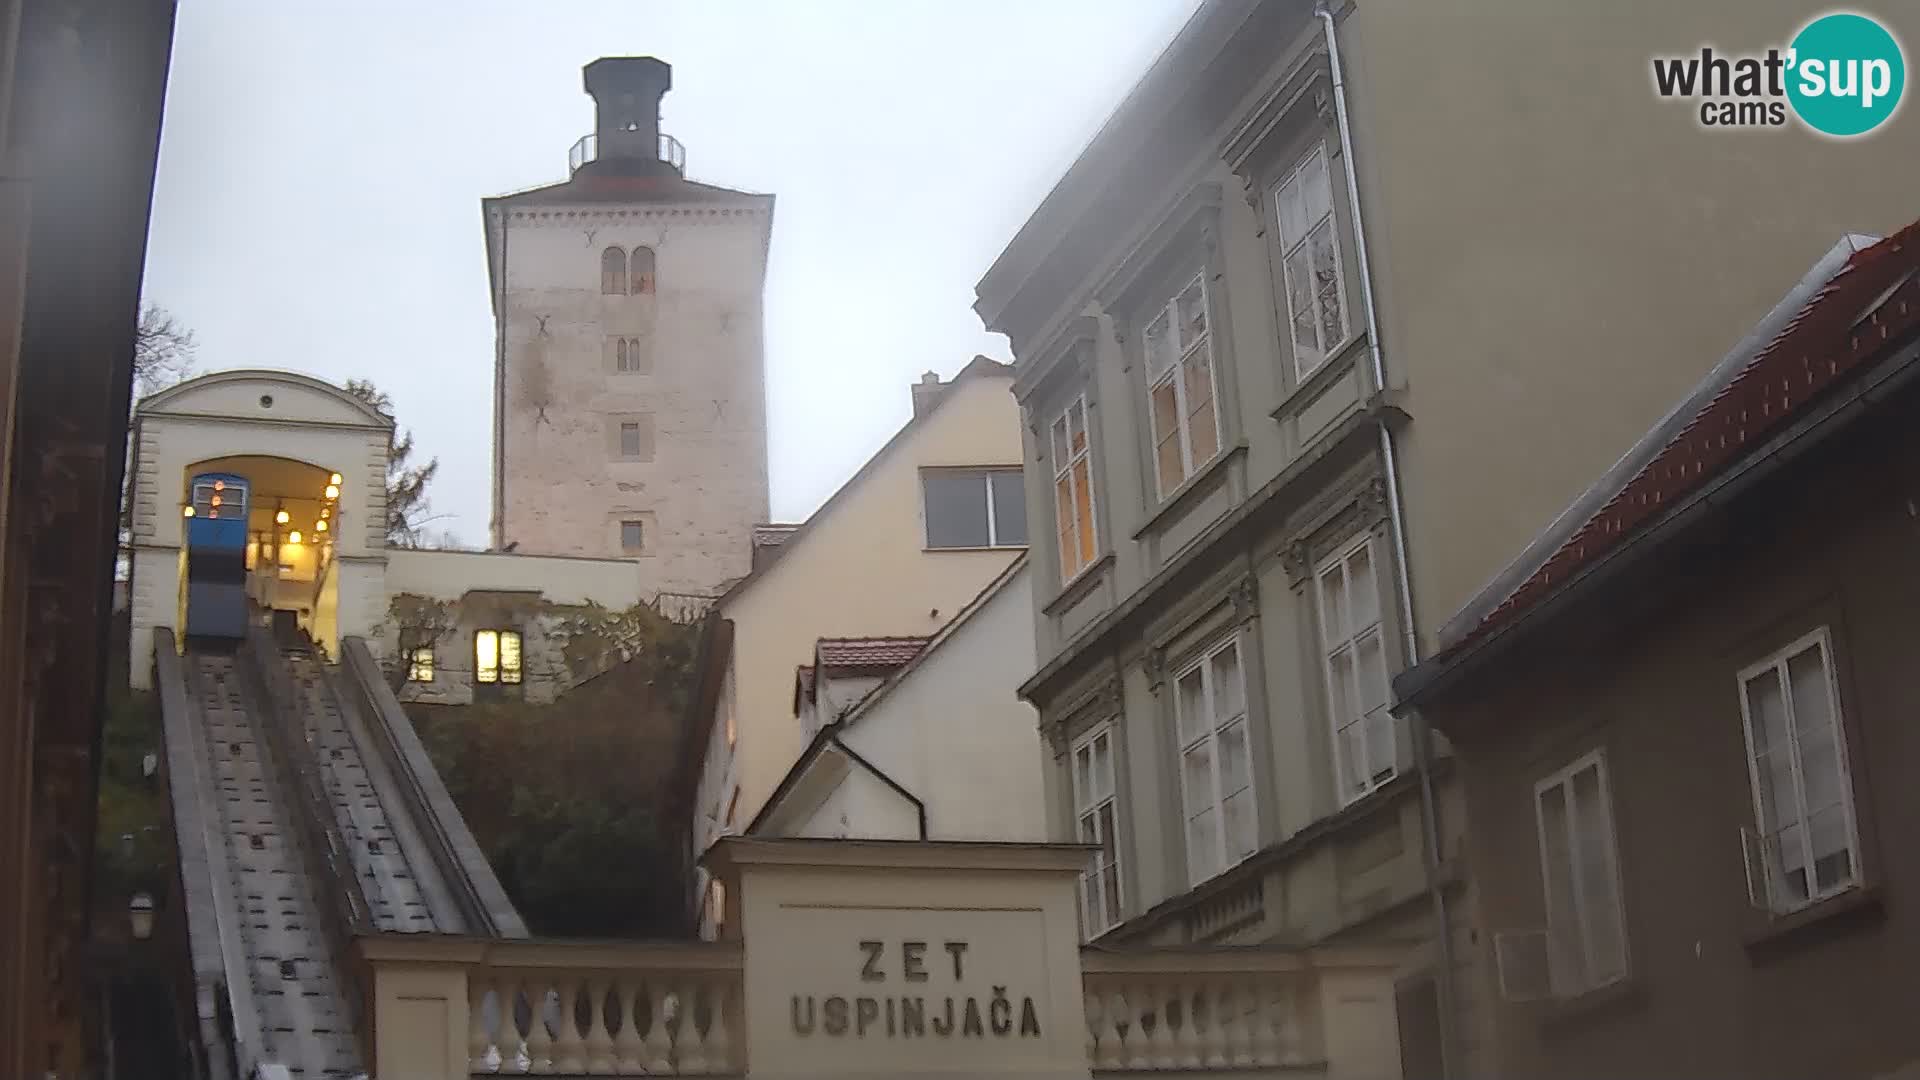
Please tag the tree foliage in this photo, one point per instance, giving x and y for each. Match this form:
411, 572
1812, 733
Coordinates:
566, 798
406, 482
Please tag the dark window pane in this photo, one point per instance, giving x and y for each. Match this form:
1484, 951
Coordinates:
613, 271
956, 508
1009, 509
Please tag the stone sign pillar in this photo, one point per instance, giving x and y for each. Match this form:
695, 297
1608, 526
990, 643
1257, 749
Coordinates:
896, 958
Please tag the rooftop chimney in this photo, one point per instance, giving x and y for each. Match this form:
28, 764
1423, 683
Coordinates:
626, 94
925, 392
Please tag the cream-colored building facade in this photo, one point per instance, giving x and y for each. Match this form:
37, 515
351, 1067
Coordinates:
941, 749
1280, 458
630, 391
863, 565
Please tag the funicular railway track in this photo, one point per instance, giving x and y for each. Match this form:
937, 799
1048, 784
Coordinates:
306, 816
298, 1001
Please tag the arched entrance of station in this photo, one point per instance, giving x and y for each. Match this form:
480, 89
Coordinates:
292, 518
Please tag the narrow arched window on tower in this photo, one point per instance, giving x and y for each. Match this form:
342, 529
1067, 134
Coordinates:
643, 271
613, 272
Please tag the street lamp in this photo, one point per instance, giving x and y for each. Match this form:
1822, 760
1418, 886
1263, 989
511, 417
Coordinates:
140, 915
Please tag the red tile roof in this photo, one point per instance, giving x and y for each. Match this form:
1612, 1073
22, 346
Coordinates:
867, 652
1873, 300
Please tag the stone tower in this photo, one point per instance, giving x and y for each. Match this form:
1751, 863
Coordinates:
629, 376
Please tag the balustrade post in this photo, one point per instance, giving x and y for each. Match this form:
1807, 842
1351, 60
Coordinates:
658, 1050
1265, 1035
720, 1047
569, 1054
690, 1051
1186, 1044
629, 1052
478, 1040
599, 1040
1161, 1049
1227, 1026
1096, 1016
539, 1042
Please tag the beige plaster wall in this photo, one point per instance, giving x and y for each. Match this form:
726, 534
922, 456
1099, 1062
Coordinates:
702, 483
862, 569
1562, 254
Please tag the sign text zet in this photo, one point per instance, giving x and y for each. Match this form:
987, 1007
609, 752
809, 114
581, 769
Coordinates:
912, 1015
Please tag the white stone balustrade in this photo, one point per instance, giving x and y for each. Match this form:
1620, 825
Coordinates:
557, 1008
606, 1010
448, 1008
1202, 1009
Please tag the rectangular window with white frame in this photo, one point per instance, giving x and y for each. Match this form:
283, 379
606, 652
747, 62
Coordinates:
1073, 489
1580, 871
1216, 762
1181, 398
1315, 287
1365, 744
1807, 844
1096, 810
974, 508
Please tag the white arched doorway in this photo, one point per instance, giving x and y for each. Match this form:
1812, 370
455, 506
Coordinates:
312, 453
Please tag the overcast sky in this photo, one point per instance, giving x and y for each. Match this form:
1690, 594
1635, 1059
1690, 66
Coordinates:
322, 165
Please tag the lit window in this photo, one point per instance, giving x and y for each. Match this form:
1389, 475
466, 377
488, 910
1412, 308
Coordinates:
1216, 764
1073, 489
1180, 390
420, 664
642, 271
1310, 254
1094, 806
1586, 932
1808, 844
613, 272
632, 536
496, 657
974, 508
1364, 742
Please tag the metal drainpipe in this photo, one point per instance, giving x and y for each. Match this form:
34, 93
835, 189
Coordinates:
1422, 734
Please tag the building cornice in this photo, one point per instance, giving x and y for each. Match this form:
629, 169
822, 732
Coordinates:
733, 852
574, 215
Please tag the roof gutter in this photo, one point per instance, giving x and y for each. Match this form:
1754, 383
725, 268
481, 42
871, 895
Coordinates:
1542, 547
1424, 684
920, 808
829, 735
